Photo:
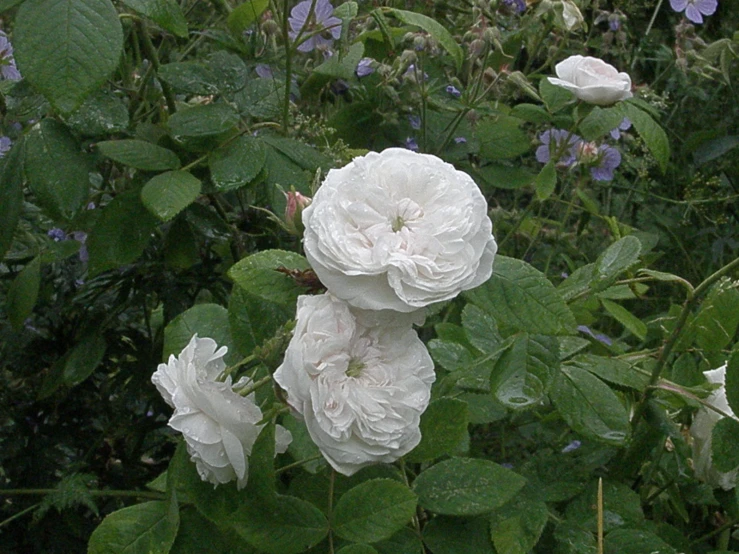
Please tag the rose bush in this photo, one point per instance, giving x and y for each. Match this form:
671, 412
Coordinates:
398, 230
360, 389
592, 80
219, 426
702, 428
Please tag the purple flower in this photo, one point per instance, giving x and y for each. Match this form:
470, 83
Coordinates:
263, 71
517, 5
597, 336
81, 237
365, 67
8, 70
460, 140
695, 9
614, 22
57, 234
326, 27
574, 445
607, 161
559, 145
411, 72
411, 144
5, 144
623, 126
415, 122
451, 89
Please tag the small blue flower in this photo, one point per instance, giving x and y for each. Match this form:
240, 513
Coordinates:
451, 89
365, 67
411, 144
517, 5
460, 140
263, 71
5, 144
623, 126
8, 70
695, 9
322, 20
574, 445
415, 122
608, 160
559, 145
57, 234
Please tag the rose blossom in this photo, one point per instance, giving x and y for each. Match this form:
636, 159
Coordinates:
702, 428
361, 387
219, 426
398, 230
592, 80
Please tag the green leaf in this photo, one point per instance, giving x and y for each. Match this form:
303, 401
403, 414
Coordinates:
207, 120
443, 430
342, 67
480, 329
260, 486
724, 446
139, 529
258, 275
237, 164
139, 154
196, 536
554, 97
100, 114
290, 526
84, 358
599, 122
57, 171
616, 259
405, 541
357, 549
501, 138
11, 195
589, 406
447, 535
254, 320
23, 293
67, 48
731, 382
373, 510
165, 13
207, 320
635, 326
435, 29
521, 297
524, 372
466, 486
7, 4
546, 181
653, 135
531, 113
246, 14
517, 526
169, 193
635, 541
501, 176
189, 77
120, 234
717, 320
612, 370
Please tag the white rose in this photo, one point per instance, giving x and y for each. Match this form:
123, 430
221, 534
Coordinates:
219, 426
361, 390
592, 80
398, 230
701, 430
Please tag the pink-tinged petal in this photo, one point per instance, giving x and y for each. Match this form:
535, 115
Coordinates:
679, 5
692, 13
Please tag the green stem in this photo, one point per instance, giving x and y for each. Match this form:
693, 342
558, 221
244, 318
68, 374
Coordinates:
298, 463
671, 341
246, 391
329, 512
728, 525
153, 56
18, 515
115, 493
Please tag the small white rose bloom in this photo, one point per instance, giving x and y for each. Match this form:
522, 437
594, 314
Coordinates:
592, 80
702, 428
361, 390
398, 231
219, 426
571, 15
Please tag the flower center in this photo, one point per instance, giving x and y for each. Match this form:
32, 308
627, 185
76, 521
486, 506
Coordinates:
355, 368
398, 224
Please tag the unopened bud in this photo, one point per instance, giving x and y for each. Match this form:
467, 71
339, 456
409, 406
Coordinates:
296, 203
270, 27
